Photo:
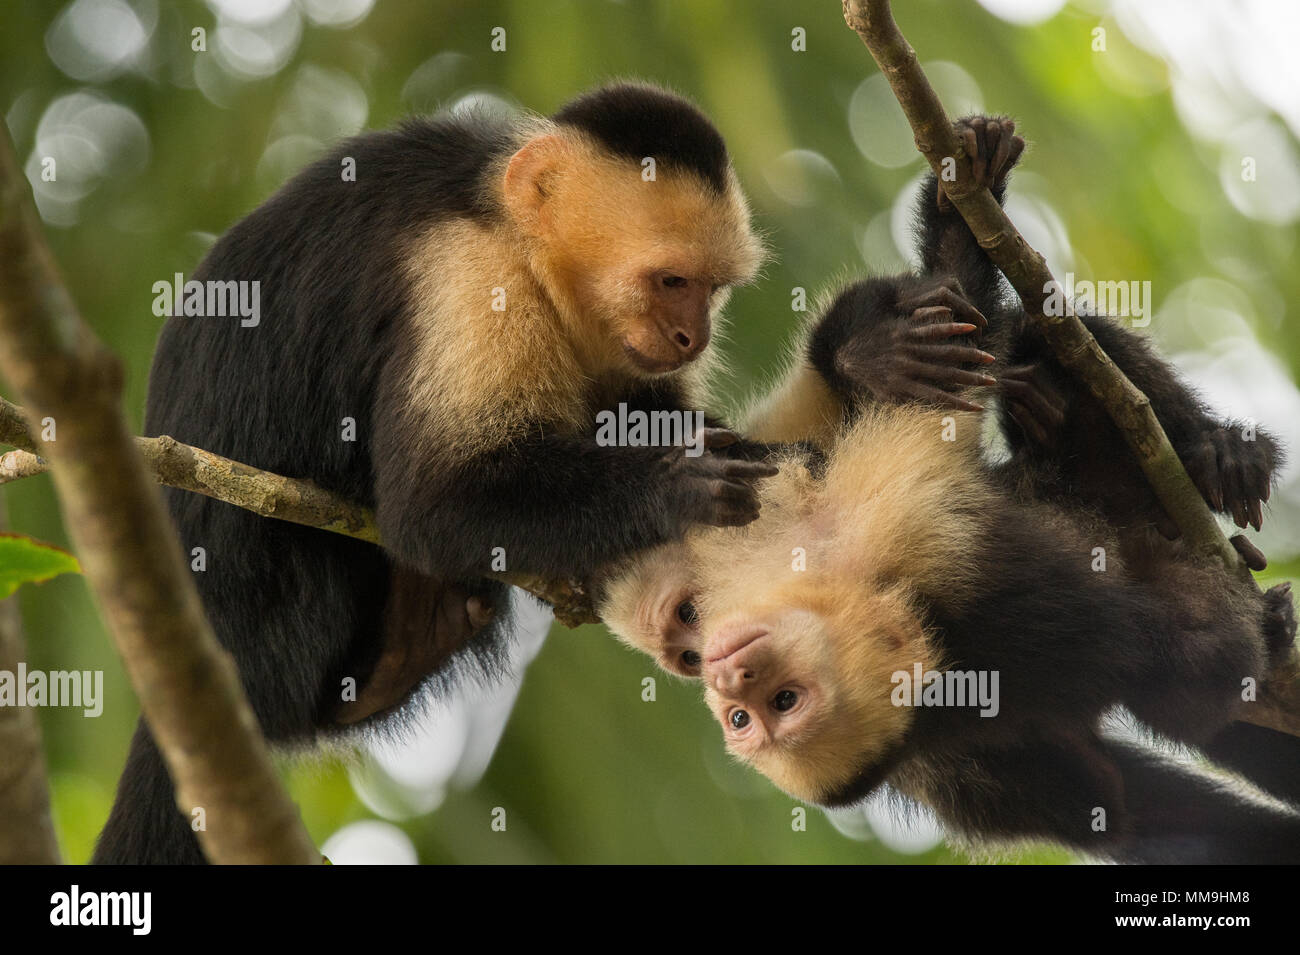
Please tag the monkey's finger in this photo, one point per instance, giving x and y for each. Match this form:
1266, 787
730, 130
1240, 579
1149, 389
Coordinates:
944, 296
943, 330
748, 470
718, 437
930, 313
916, 389
1002, 152
1013, 157
1203, 464
1028, 423
1034, 399
947, 374
735, 492
952, 354
970, 141
1252, 555
992, 146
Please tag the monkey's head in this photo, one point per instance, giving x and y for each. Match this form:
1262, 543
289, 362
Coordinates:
802, 689
649, 604
638, 224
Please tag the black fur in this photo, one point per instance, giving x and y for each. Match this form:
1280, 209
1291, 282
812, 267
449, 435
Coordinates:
636, 121
1168, 639
299, 608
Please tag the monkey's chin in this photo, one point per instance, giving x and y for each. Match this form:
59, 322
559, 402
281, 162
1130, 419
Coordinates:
647, 365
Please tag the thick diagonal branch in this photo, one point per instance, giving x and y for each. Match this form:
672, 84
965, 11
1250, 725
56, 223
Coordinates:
187, 684
1073, 344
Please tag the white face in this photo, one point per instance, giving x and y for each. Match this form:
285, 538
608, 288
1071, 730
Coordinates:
650, 606
761, 678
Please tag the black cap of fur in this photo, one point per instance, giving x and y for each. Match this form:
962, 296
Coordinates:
636, 120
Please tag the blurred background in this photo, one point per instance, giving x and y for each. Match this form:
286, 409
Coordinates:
1162, 149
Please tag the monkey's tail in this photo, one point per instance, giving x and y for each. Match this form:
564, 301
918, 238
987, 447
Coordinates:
145, 827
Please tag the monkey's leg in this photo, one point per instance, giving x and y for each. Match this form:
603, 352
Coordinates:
425, 623
947, 246
1231, 463
1181, 814
145, 825
1112, 800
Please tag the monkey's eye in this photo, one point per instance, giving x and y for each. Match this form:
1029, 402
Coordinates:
739, 719
687, 613
785, 700
690, 659
673, 281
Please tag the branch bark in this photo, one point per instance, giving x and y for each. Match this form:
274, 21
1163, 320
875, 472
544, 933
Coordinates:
271, 495
1028, 274
1075, 347
187, 685
26, 830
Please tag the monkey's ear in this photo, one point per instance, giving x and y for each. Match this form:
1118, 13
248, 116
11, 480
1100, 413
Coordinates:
529, 176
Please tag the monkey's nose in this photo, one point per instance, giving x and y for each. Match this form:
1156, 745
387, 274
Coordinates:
731, 681
689, 342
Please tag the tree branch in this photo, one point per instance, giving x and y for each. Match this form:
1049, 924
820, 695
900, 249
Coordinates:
271, 495
186, 683
1075, 347
1028, 274
26, 830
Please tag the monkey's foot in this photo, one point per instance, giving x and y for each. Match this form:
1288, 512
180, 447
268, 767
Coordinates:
1234, 474
1279, 619
993, 148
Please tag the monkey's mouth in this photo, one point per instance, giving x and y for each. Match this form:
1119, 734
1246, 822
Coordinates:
651, 366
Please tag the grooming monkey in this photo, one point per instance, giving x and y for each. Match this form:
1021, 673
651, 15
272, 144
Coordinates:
436, 340
919, 553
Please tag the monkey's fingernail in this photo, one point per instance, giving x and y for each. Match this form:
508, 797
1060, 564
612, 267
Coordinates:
967, 326
987, 358
988, 380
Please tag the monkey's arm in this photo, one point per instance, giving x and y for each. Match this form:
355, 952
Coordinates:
554, 504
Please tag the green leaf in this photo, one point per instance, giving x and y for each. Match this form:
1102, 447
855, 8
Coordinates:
27, 561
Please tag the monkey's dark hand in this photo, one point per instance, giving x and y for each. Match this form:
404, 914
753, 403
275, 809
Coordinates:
1234, 474
713, 488
993, 148
910, 357
1033, 403
408, 656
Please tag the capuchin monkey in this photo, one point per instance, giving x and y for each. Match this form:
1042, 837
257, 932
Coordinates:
437, 335
893, 547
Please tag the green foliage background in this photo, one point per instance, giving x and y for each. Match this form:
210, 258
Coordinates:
589, 772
